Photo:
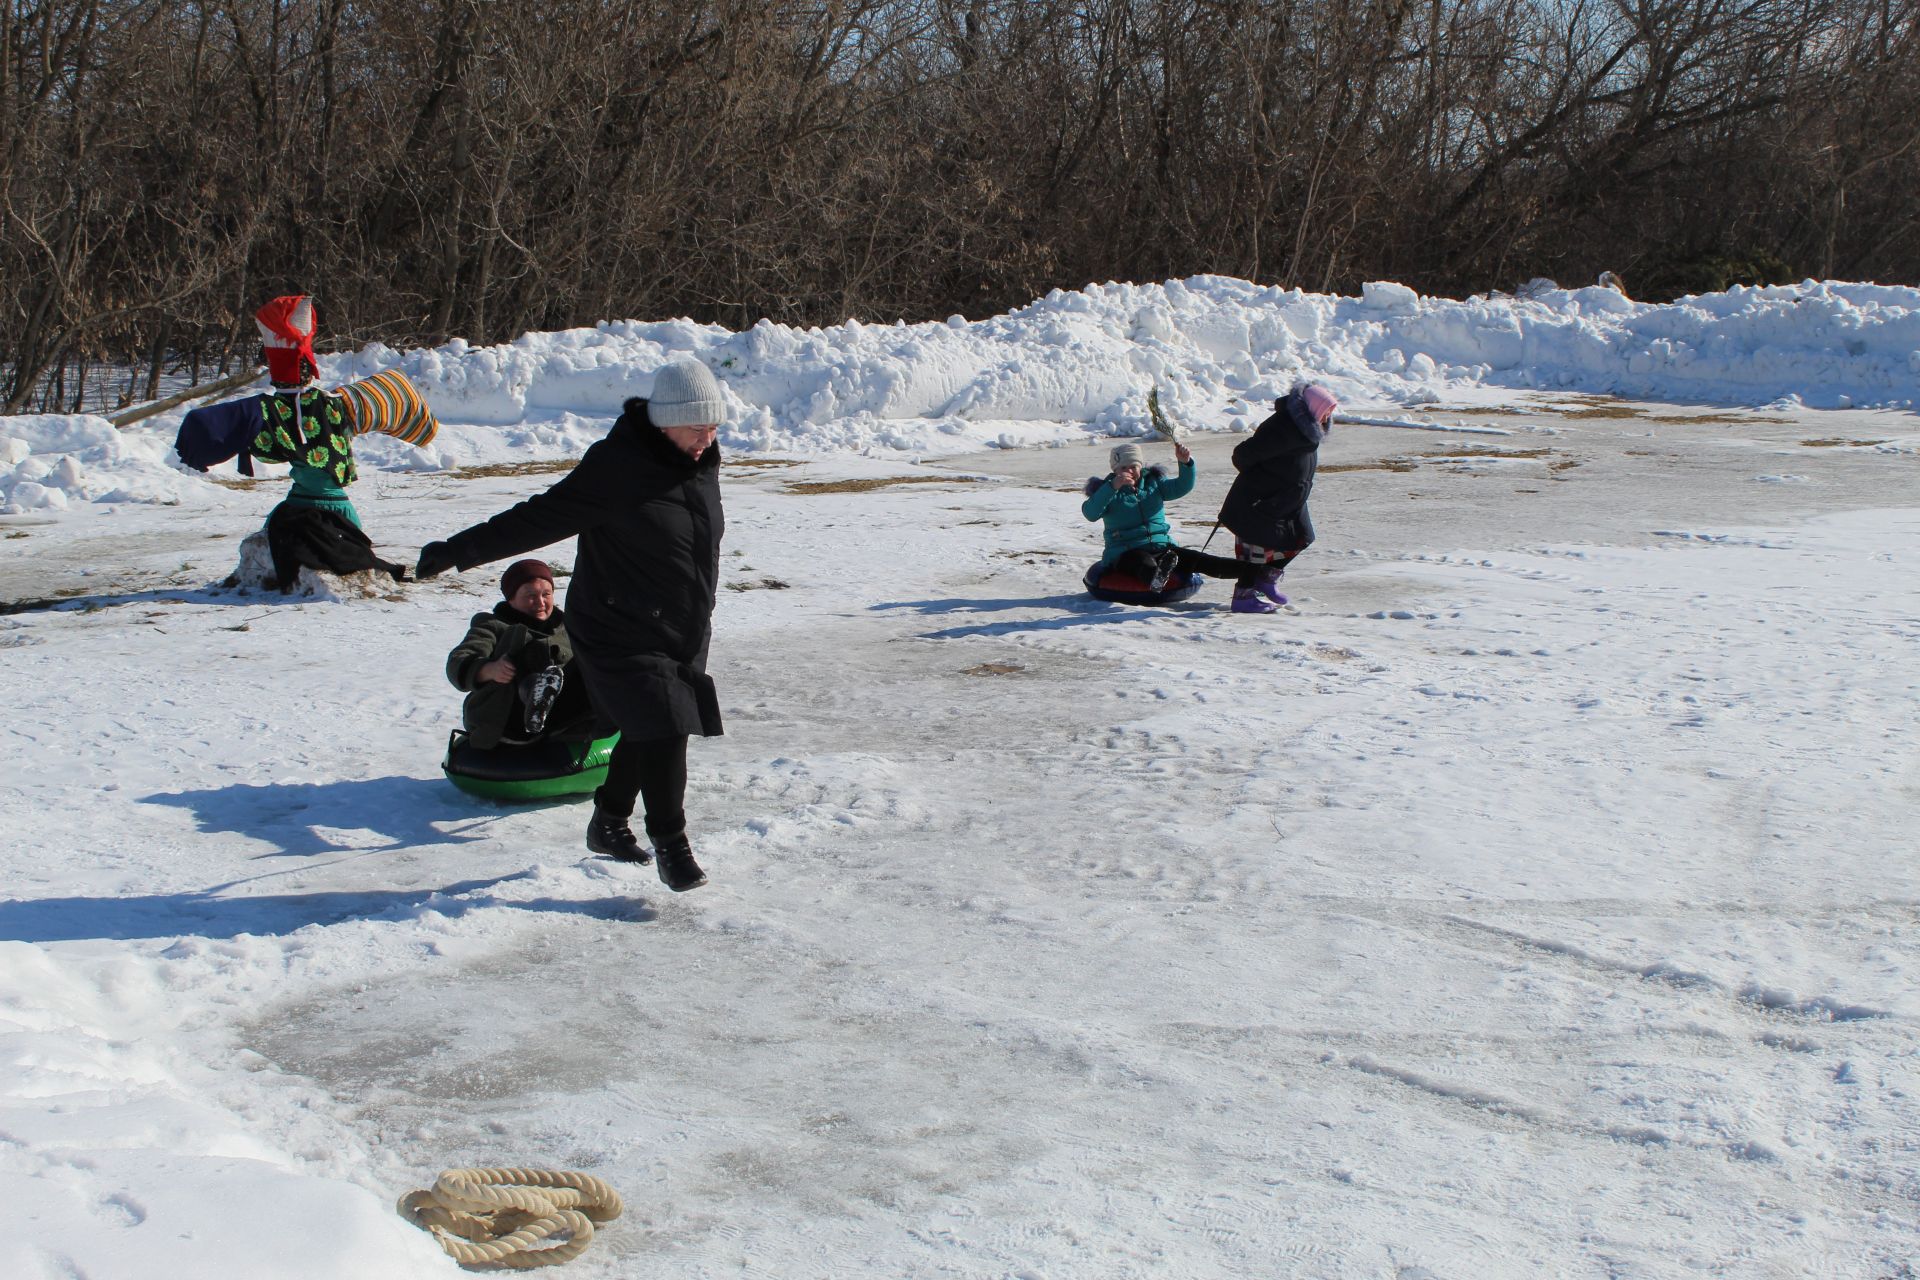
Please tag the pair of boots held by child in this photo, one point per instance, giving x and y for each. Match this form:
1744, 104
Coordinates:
1265, 509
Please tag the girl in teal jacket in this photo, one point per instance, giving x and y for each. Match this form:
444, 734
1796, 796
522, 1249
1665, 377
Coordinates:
1132, 503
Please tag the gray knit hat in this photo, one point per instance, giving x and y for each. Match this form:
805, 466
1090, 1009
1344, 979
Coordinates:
1124, 455
686, 394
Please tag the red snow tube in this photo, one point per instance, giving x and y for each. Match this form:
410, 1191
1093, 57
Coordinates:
1124, 588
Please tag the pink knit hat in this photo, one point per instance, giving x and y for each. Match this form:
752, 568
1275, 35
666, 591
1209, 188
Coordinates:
1319, 401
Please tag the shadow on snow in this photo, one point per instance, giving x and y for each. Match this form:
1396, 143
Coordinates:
1082, 611
205, 914
301, 819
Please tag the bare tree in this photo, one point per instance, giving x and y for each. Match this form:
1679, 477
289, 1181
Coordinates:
433, 168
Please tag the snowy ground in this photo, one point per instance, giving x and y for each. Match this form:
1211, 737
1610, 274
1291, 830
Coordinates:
1535, 898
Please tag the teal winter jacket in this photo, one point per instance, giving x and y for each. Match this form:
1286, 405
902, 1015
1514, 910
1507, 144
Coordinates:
1137, 518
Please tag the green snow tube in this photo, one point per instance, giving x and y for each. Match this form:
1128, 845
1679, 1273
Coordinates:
527, 771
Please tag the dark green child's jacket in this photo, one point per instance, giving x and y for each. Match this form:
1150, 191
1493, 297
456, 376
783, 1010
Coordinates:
504, 633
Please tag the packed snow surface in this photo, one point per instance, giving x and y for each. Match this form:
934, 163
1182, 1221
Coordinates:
1534, 896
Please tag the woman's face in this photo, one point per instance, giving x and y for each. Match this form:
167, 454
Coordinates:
534, 597
1127, 477
693, 441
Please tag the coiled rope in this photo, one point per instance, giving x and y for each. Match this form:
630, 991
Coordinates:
509, 1218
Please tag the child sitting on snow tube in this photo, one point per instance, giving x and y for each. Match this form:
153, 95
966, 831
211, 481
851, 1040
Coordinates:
516, 667
1140, 551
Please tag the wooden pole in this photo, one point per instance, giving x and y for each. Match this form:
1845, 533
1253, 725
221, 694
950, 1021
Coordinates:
231, 383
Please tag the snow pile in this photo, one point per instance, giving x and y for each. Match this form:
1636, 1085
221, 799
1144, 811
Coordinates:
110, 1128
255, 573
50, 461
1072, 365
1219, 350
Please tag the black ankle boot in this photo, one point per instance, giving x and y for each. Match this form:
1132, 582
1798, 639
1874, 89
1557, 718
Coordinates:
673, 859
610, 835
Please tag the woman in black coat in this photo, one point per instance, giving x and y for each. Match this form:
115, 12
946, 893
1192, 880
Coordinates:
1266, 509
645, 504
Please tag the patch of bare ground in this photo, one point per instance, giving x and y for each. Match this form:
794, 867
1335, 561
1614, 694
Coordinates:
868, 485
759, 584
994, 669
1471, 411
1835, 442
1709, 419
756, 464
1470, 454
1378, 464
1605, 411
551, 466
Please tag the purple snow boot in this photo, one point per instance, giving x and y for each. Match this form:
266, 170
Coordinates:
1249, 600
1269, 586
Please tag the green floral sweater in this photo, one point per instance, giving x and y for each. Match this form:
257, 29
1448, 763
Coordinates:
309, 431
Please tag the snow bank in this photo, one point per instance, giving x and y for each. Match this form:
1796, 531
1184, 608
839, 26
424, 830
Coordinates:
93, 1108
50, 461
1074, 364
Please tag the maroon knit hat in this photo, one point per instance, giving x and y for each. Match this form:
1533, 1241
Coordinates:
520, 573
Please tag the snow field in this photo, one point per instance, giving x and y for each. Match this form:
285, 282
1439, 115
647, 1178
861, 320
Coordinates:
1530, 898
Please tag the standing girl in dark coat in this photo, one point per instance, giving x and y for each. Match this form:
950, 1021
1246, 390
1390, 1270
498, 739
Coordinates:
645, 503
1266, 509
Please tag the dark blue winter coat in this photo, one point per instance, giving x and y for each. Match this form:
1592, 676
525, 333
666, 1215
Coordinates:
1136, 517
209, 436
1267, 505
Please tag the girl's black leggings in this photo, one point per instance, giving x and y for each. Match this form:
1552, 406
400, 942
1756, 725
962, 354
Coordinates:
1142, 562
654, 771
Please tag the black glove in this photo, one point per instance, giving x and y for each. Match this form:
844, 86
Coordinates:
435, 559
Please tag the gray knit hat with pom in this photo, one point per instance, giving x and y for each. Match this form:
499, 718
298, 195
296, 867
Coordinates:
1124, 455
686, 394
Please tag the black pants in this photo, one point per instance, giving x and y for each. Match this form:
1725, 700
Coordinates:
1145, 563
654, 771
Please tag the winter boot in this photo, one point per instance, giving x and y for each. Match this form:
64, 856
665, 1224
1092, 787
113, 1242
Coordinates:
1163, 567
609, 834
674, 861
1269, 586
1249, 600
541, 690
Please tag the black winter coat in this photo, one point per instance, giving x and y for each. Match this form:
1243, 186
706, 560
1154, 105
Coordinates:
640, 605
1267, 505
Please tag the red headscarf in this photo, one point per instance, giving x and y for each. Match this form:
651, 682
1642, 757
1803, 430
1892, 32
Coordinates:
286, 331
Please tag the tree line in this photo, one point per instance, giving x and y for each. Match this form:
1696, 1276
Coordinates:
432, 169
